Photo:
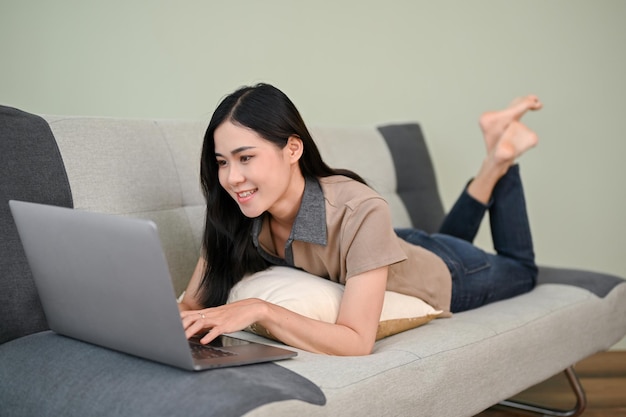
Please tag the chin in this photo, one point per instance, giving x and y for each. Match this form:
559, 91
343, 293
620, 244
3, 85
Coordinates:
251, 213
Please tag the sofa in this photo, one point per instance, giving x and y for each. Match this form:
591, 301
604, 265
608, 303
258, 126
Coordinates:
457, 366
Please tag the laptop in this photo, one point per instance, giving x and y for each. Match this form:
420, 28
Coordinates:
104, 279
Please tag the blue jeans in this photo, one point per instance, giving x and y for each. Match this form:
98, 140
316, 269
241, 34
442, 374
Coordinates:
478, 277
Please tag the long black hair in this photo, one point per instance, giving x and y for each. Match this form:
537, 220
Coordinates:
227, 243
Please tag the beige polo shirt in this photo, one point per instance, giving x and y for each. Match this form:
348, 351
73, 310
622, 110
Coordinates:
343, 228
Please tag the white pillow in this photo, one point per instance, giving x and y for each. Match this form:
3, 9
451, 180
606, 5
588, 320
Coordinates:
319, 299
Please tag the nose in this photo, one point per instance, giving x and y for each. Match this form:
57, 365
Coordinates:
235, 176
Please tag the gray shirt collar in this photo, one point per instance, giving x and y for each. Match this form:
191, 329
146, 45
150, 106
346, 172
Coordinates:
309, 225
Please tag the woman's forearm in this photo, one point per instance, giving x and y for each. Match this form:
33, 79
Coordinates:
313, 335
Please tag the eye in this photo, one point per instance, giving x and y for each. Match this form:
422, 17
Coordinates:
221, 163
245, 158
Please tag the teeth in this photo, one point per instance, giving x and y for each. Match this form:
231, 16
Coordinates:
246, 194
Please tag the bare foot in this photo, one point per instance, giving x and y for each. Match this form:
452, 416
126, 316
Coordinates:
494, 123
516, 139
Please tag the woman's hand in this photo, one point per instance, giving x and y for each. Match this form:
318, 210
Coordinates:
354, 332
227, 318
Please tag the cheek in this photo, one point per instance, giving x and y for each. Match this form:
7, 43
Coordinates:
222, 177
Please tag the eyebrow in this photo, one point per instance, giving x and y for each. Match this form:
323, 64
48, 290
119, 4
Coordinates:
237, 150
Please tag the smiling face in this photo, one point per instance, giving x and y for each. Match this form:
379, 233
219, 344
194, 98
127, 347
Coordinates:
256, 173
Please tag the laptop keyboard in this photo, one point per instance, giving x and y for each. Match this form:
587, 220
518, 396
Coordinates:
199, 351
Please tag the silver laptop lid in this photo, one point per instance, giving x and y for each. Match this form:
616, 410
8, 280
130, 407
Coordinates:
103, 279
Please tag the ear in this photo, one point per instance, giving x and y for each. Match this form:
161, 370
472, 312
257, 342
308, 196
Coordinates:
294, 148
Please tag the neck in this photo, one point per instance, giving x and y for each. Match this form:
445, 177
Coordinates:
281, 221
284, 213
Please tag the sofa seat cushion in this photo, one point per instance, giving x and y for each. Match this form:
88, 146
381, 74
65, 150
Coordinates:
466, 363
52, 375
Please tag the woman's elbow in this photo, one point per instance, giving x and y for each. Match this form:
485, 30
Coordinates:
364, 351
362, 348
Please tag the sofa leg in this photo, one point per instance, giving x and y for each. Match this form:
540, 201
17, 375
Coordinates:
579, 392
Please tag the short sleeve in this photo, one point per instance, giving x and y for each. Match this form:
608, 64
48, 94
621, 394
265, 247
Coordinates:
368, 240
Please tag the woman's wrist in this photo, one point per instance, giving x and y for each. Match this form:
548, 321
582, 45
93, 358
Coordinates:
263, 313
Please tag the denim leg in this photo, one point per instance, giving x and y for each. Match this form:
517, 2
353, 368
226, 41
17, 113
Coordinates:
510, 229
464, 218
478, 277
503, 278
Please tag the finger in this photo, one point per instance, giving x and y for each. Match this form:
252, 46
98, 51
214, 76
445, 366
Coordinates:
188, 323
188, 319
193, 329
197, 326
210, 336
191, 313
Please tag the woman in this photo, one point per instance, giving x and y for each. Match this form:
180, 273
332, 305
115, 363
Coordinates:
271, 200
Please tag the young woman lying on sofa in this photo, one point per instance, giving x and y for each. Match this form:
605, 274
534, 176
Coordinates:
272, 200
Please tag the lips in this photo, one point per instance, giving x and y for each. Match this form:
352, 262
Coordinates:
244, 196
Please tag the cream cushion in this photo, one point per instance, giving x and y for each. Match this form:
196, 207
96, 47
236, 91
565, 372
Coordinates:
319, 299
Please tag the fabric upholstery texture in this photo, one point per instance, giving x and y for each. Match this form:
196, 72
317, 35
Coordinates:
31, 169
140, 169
57, 376
462, 365
415, 175
595, 282
341, 147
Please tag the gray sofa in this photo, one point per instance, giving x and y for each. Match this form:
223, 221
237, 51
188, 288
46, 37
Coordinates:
456, 366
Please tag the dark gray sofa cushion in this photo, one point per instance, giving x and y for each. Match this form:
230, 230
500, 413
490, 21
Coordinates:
52, 375
415, 175
595, 282
31, 169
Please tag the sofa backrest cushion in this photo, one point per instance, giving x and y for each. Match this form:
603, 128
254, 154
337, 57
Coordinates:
415, 174
140, 168
31, 169
394, 160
